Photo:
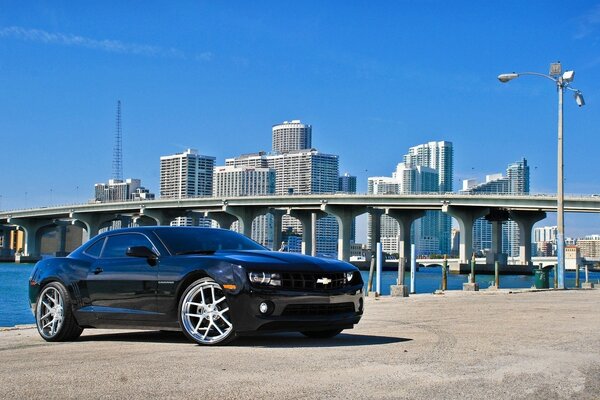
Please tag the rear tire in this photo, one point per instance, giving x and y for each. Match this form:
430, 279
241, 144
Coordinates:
204, 313
322, 334
54, 315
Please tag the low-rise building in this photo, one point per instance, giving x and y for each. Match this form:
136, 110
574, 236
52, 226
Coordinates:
572, 257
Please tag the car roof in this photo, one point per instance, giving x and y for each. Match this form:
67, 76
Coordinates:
154, 228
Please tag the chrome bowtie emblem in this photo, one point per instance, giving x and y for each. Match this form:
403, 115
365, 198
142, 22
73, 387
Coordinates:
324, 281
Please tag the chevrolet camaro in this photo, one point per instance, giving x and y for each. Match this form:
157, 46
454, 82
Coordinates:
212, 284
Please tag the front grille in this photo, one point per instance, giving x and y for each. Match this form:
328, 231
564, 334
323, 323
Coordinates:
318, 309
312, 280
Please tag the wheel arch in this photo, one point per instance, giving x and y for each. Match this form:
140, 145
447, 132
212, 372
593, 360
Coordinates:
188, 280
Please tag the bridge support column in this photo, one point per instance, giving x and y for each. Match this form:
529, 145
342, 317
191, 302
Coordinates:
224, 219
405, 219
496, 217
525, 221
308, 220
92, 222
162, 217
277, 217
143, 220
245, 216
61, 228
375, 214
345, 216
496, 240
466, 217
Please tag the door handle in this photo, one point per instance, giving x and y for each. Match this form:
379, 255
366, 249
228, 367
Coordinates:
98, 270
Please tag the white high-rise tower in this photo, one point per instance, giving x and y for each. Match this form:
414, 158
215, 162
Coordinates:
186, 174
290, 136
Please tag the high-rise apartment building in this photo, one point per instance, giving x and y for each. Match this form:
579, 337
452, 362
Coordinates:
243, 181
347, 183
516, 181
290, 136
545, 234
186, 174
544, 238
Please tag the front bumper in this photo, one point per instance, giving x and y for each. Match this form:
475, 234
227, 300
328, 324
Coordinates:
296, 310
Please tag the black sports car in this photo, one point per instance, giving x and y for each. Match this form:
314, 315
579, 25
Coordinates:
213, 284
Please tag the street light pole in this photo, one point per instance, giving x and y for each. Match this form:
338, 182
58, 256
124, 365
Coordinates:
560, 194
562, 83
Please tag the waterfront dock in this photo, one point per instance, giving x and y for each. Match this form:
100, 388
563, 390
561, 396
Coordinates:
477, 345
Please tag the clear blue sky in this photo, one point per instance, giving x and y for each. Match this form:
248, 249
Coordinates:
373, 78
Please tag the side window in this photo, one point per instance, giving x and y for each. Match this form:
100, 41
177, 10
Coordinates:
117, 245
95, 249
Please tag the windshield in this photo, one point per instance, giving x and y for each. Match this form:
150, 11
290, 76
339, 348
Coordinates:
204, 240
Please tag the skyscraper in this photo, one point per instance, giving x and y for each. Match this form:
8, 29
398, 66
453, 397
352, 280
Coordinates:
186, 174
243, 181
291, 135
347, 183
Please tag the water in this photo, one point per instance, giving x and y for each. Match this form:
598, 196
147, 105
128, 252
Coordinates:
429, 279
14, 300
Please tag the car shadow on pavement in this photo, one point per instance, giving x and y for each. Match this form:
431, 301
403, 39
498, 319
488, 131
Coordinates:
298, 340
135, 336
276, 340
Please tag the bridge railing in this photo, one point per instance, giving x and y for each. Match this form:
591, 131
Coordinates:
316, 195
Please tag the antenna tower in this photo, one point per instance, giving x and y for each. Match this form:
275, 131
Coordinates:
117, 163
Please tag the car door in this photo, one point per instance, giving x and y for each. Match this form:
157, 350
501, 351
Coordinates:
123, 288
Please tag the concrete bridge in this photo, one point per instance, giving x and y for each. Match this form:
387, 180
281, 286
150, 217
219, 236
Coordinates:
525, 210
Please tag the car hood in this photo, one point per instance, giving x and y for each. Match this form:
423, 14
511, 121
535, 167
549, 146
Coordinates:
282, 261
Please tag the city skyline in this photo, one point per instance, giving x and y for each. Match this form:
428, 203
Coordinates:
224, 73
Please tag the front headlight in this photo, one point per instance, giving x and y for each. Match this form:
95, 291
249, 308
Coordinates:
349, 276
265, 278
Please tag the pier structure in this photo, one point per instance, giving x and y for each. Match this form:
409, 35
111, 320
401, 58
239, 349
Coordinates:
525, 210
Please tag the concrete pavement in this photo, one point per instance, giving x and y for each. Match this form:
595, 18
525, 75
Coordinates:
480, 345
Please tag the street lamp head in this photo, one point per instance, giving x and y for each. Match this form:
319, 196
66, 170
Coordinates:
507, 77
568, 76
579, 98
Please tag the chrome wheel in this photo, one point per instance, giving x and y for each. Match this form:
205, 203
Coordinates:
204, 313
50, 312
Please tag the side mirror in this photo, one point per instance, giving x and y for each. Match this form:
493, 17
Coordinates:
142, 252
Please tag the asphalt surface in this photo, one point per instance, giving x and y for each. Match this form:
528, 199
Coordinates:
532, 345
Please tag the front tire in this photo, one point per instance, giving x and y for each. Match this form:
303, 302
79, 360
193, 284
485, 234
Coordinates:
53, 316
204, 314
322, 334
